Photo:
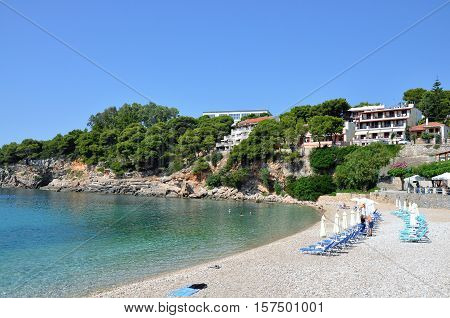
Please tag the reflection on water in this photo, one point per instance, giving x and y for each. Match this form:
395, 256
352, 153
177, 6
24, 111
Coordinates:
69, 244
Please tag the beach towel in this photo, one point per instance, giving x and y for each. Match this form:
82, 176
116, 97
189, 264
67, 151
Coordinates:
187, 291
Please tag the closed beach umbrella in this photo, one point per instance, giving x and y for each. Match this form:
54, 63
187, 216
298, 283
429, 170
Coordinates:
344, 221
409, 206
336, 224
412, 220
352, 218
404, 206
415, 209
323, 231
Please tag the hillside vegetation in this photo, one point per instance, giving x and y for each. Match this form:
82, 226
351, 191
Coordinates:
155, 140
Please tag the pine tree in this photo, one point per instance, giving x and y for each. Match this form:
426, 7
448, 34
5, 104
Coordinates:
434, 103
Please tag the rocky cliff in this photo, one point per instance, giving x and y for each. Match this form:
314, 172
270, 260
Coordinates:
60, 175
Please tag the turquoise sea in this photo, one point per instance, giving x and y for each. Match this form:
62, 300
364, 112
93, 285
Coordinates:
72, 244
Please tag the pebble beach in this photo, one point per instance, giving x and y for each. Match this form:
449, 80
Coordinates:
378, 266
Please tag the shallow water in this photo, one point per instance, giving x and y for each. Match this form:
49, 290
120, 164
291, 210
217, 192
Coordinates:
71, 244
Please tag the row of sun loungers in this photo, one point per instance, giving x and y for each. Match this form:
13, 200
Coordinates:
416, 232
342, 241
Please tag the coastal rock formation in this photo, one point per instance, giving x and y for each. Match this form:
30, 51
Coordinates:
60, 175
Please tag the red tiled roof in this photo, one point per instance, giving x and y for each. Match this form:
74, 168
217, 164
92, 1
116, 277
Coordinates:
253, 121
424, 126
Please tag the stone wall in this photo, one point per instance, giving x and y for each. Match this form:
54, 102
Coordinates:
413, 155
418, 154
423, 200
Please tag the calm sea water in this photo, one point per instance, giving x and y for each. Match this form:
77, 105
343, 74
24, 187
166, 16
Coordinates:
71, 244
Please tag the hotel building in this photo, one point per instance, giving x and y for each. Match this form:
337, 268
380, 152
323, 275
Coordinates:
235, 114
238, 133
379, 123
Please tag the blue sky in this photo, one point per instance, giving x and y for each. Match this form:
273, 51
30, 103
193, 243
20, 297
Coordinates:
201, 55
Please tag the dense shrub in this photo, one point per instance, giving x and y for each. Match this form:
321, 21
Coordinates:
264, 176
235, 178
200, 167
261, 145
278, 188
225, 177
214, 180
360, 169
400, 170
215, 158
429, 170
324, 160
310, 188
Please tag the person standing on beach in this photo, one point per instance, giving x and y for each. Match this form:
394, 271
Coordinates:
370, 222
363, 223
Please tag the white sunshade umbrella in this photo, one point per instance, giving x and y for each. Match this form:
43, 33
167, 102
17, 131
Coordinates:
370, 208
336, 229
352, 218
404, 206
445, 176
415, 209
323, 231
344, 221
412, 220
357, 217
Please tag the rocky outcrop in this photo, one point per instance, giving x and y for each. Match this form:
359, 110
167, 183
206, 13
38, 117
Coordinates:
75, 176
29, 175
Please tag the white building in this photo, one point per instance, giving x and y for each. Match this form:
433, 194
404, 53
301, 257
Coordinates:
432, 128
235, 114
379, 123
238, 133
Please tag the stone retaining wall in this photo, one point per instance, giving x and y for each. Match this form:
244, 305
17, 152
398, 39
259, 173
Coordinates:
423, 200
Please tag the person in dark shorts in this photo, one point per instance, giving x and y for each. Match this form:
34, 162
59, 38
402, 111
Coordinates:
370, 221
363, 223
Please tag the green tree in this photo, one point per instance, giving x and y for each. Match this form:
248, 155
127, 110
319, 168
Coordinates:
278, 188
401, 173
427, 137
200, 168
294, 129
8, 153
250, 116
214, 180
322, 126
215, 158
334, 107
325, 160
29, 149
262, 144
361, 167
414, 95
310, 188
235, 179
264, 175
363, 104
435, 104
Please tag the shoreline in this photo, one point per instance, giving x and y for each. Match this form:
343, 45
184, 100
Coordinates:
202, 264
206, 264
277, 269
